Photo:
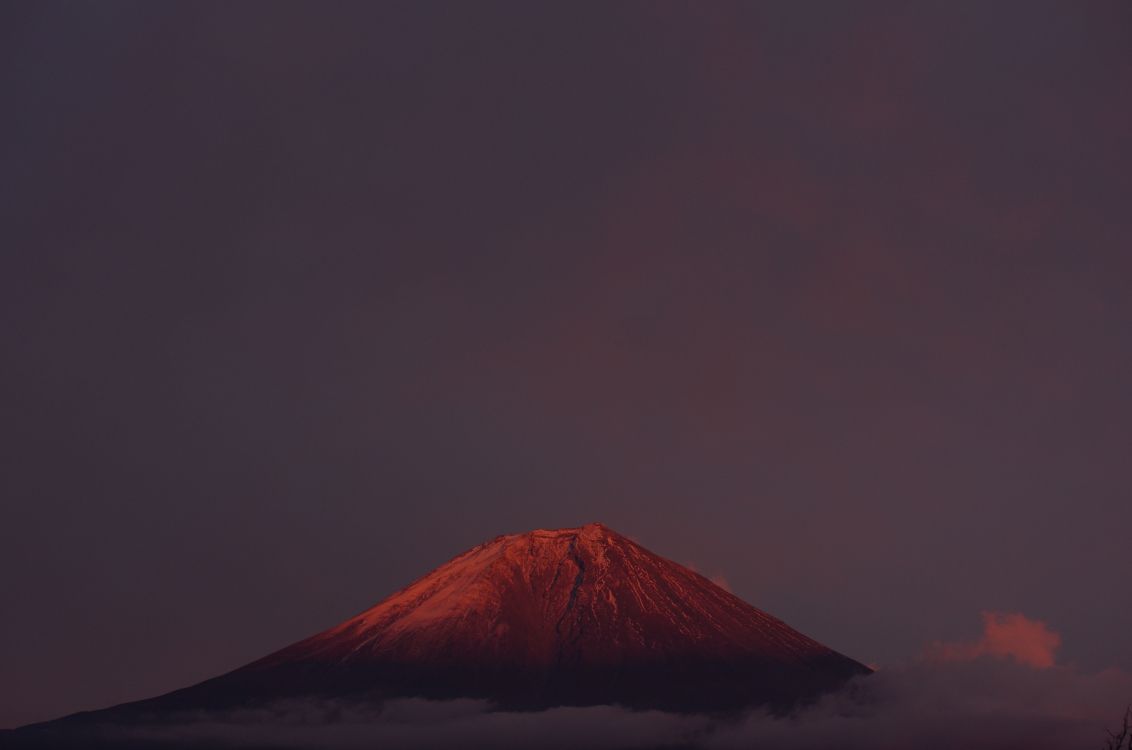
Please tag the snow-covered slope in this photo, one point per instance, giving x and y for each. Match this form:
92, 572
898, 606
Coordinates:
580, 616
572, 616
571, 597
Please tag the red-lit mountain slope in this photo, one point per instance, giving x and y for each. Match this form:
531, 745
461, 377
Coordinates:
546, 600
574, 616
579, 616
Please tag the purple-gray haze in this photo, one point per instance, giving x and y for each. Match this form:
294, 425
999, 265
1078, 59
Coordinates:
831, 300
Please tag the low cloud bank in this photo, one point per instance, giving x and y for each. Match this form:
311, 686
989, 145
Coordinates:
415, 723
1003, 690
978, 705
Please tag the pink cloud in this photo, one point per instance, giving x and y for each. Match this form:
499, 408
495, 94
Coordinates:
1006, 635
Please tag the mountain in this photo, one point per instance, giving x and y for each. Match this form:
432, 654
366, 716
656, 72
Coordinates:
581, 616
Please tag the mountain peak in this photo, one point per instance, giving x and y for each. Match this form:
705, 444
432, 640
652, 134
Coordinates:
549, 617
550, 607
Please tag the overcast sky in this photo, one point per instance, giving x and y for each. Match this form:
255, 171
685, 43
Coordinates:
830, 300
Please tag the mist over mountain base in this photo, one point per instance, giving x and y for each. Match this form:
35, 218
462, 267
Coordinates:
979, 705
